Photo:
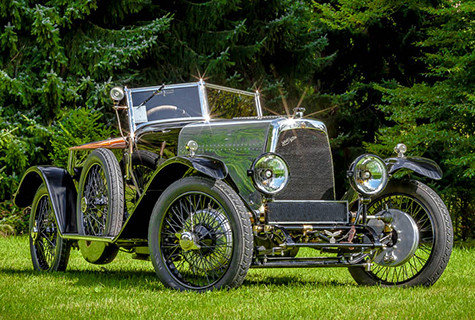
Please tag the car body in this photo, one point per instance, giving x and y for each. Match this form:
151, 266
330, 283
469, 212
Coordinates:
206, 187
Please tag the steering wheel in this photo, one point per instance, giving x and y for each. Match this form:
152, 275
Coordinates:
165, 112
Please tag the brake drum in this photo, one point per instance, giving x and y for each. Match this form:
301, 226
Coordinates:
405, 239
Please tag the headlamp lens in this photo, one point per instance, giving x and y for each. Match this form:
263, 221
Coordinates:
370, 175
270, 173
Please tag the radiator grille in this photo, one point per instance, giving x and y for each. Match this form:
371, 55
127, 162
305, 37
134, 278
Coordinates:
311, 169
307, 211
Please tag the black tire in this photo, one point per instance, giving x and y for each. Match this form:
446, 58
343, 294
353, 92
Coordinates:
143, 166
49, 252
100, 205
435, 234
212, 214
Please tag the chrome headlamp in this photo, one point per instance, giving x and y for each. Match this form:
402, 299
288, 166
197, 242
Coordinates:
270, 173
368, 175
117, 93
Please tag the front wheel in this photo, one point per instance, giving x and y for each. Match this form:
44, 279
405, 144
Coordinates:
426, 264
200, 236
49, 252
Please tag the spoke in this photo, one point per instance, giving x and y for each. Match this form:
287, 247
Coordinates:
201, 215
425, 249
413, 266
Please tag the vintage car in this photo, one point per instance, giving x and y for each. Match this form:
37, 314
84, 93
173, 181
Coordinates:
206, 187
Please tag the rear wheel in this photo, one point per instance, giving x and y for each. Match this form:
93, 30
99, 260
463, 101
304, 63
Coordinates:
200, 236
412, 201
49, 252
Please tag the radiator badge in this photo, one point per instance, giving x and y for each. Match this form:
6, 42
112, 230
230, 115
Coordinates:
288, 141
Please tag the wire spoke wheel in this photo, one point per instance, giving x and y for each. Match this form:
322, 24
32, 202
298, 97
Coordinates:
208, 254
420, 214
45, 242
200, 236
433, 228
95, 201
100, 204
48, 250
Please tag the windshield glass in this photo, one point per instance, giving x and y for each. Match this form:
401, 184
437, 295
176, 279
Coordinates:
228, 105
169, 103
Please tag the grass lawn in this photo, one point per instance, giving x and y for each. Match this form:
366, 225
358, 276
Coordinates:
128, 288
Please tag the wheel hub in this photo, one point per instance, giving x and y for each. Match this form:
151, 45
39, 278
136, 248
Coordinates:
188, 241
405, 241
83, 204
34, 234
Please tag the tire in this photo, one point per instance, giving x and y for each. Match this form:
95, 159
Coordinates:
100, 205
49, 252
143, 166
435, 234
200, 236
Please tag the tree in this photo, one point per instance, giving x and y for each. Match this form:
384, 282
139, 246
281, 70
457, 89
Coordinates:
373, 43
57, 56
436, 117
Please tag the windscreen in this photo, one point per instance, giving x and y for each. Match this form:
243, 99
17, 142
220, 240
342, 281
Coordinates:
228, 105
166, 104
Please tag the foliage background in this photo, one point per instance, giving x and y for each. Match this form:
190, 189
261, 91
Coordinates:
377, 72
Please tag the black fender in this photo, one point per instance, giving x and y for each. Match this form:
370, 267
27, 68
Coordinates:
208, 166
423, 166
166, 173
61, 190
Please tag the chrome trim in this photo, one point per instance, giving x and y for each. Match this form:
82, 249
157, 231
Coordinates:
168, 86
214, 86
257, 99
280, 125
130, 111
204, 100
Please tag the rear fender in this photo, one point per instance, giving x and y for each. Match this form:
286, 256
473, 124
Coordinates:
423, 166
61, 190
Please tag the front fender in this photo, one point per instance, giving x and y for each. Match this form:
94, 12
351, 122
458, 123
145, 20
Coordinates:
209, 166
168, 172
61, 190
423, 166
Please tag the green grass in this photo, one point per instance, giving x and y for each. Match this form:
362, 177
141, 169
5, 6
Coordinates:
129, 289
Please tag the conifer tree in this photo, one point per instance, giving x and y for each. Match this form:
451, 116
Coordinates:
57, 56
436, 117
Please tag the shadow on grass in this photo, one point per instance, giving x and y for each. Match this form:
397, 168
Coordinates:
92, 278
290, 281
147, 280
